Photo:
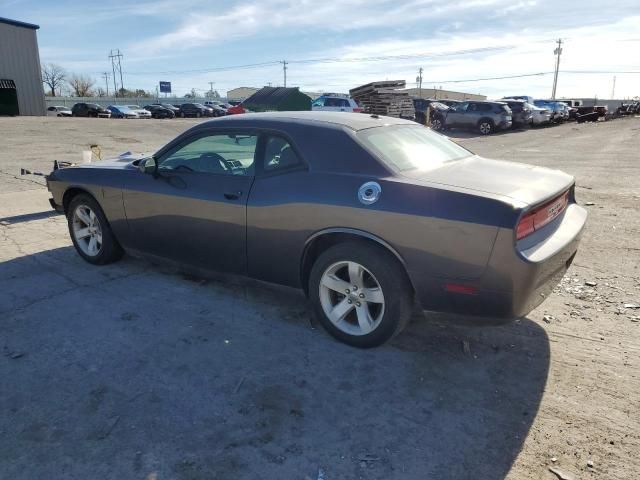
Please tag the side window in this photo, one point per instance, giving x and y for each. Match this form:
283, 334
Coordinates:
319, 102
461, 107
219, 153
344, 102
278, 155
473, 107
51, 109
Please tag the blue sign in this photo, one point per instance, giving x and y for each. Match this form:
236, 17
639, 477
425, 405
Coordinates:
165, 87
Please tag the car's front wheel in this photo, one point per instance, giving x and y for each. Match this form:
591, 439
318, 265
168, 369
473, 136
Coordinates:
360, 294
90, 232
436, 124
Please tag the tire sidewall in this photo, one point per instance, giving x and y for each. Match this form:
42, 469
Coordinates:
391, 278
110, 250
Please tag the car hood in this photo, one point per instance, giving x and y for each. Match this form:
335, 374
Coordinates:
522, 183
120, 162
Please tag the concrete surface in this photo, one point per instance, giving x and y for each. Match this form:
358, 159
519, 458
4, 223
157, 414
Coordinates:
134, 371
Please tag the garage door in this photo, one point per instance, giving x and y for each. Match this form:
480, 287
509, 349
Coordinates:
8, 98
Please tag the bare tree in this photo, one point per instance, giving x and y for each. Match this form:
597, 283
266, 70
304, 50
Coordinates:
81, 85
53, 75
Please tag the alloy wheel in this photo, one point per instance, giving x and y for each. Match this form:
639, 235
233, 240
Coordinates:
352, 298
87, 230
436, 124
485, 128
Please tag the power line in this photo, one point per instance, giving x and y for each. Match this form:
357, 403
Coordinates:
209, 70
379, 58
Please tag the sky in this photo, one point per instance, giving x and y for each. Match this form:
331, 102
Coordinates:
333, 46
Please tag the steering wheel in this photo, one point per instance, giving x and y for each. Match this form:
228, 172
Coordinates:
214, 161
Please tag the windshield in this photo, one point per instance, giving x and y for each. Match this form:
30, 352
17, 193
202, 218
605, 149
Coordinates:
411, 147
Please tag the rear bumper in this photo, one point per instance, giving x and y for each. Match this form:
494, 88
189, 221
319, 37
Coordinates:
518, 278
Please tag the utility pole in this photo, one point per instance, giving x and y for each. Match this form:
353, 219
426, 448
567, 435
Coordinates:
419, 80
613, 89
106, 75
211, 88
284, 70
116, 65
557, 52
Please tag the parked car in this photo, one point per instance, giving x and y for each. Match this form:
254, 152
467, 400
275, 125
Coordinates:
219, 109
236, 109
555, 108
142, 113
158, 111
539, 116
194, 110
121, 111
480, 237
168, 106
486, 117
58, 111
333, 102
520, 112
526, 98
450, 103
90, 110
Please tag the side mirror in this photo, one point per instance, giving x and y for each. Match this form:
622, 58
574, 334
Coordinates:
148, 165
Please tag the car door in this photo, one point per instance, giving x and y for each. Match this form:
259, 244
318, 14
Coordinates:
473, 114
456, 115
193, 209
274, 226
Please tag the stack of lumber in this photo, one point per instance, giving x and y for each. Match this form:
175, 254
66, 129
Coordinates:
384, 98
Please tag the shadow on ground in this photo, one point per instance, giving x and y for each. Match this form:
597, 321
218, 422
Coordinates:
464, 133
125, 371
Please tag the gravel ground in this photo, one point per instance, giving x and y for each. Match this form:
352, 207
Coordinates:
136, 371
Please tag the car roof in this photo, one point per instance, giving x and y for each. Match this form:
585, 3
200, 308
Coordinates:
353, 121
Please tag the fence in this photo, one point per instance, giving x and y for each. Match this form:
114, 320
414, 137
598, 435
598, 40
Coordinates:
106, 101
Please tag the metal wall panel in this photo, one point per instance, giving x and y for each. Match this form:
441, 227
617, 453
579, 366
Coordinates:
20, 62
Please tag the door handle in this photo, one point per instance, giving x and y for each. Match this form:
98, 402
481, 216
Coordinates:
232, 195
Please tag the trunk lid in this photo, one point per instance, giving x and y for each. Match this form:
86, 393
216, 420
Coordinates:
524, 183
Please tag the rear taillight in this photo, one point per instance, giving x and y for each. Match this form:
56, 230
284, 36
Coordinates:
542, 215
358, 110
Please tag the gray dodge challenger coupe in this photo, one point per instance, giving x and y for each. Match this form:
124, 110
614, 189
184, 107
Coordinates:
369, 215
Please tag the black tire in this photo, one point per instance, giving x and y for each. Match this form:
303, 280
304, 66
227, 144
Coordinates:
485, 127
110, 251
437, 124
389, 274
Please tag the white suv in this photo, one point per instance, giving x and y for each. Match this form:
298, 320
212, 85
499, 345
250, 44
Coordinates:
332, 102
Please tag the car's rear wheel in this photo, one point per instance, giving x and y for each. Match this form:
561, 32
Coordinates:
485, 127
360, 294
90, 232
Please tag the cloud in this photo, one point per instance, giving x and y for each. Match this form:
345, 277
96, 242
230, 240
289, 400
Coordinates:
288, 17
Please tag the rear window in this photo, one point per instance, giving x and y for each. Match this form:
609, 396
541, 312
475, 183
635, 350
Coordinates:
411, 147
